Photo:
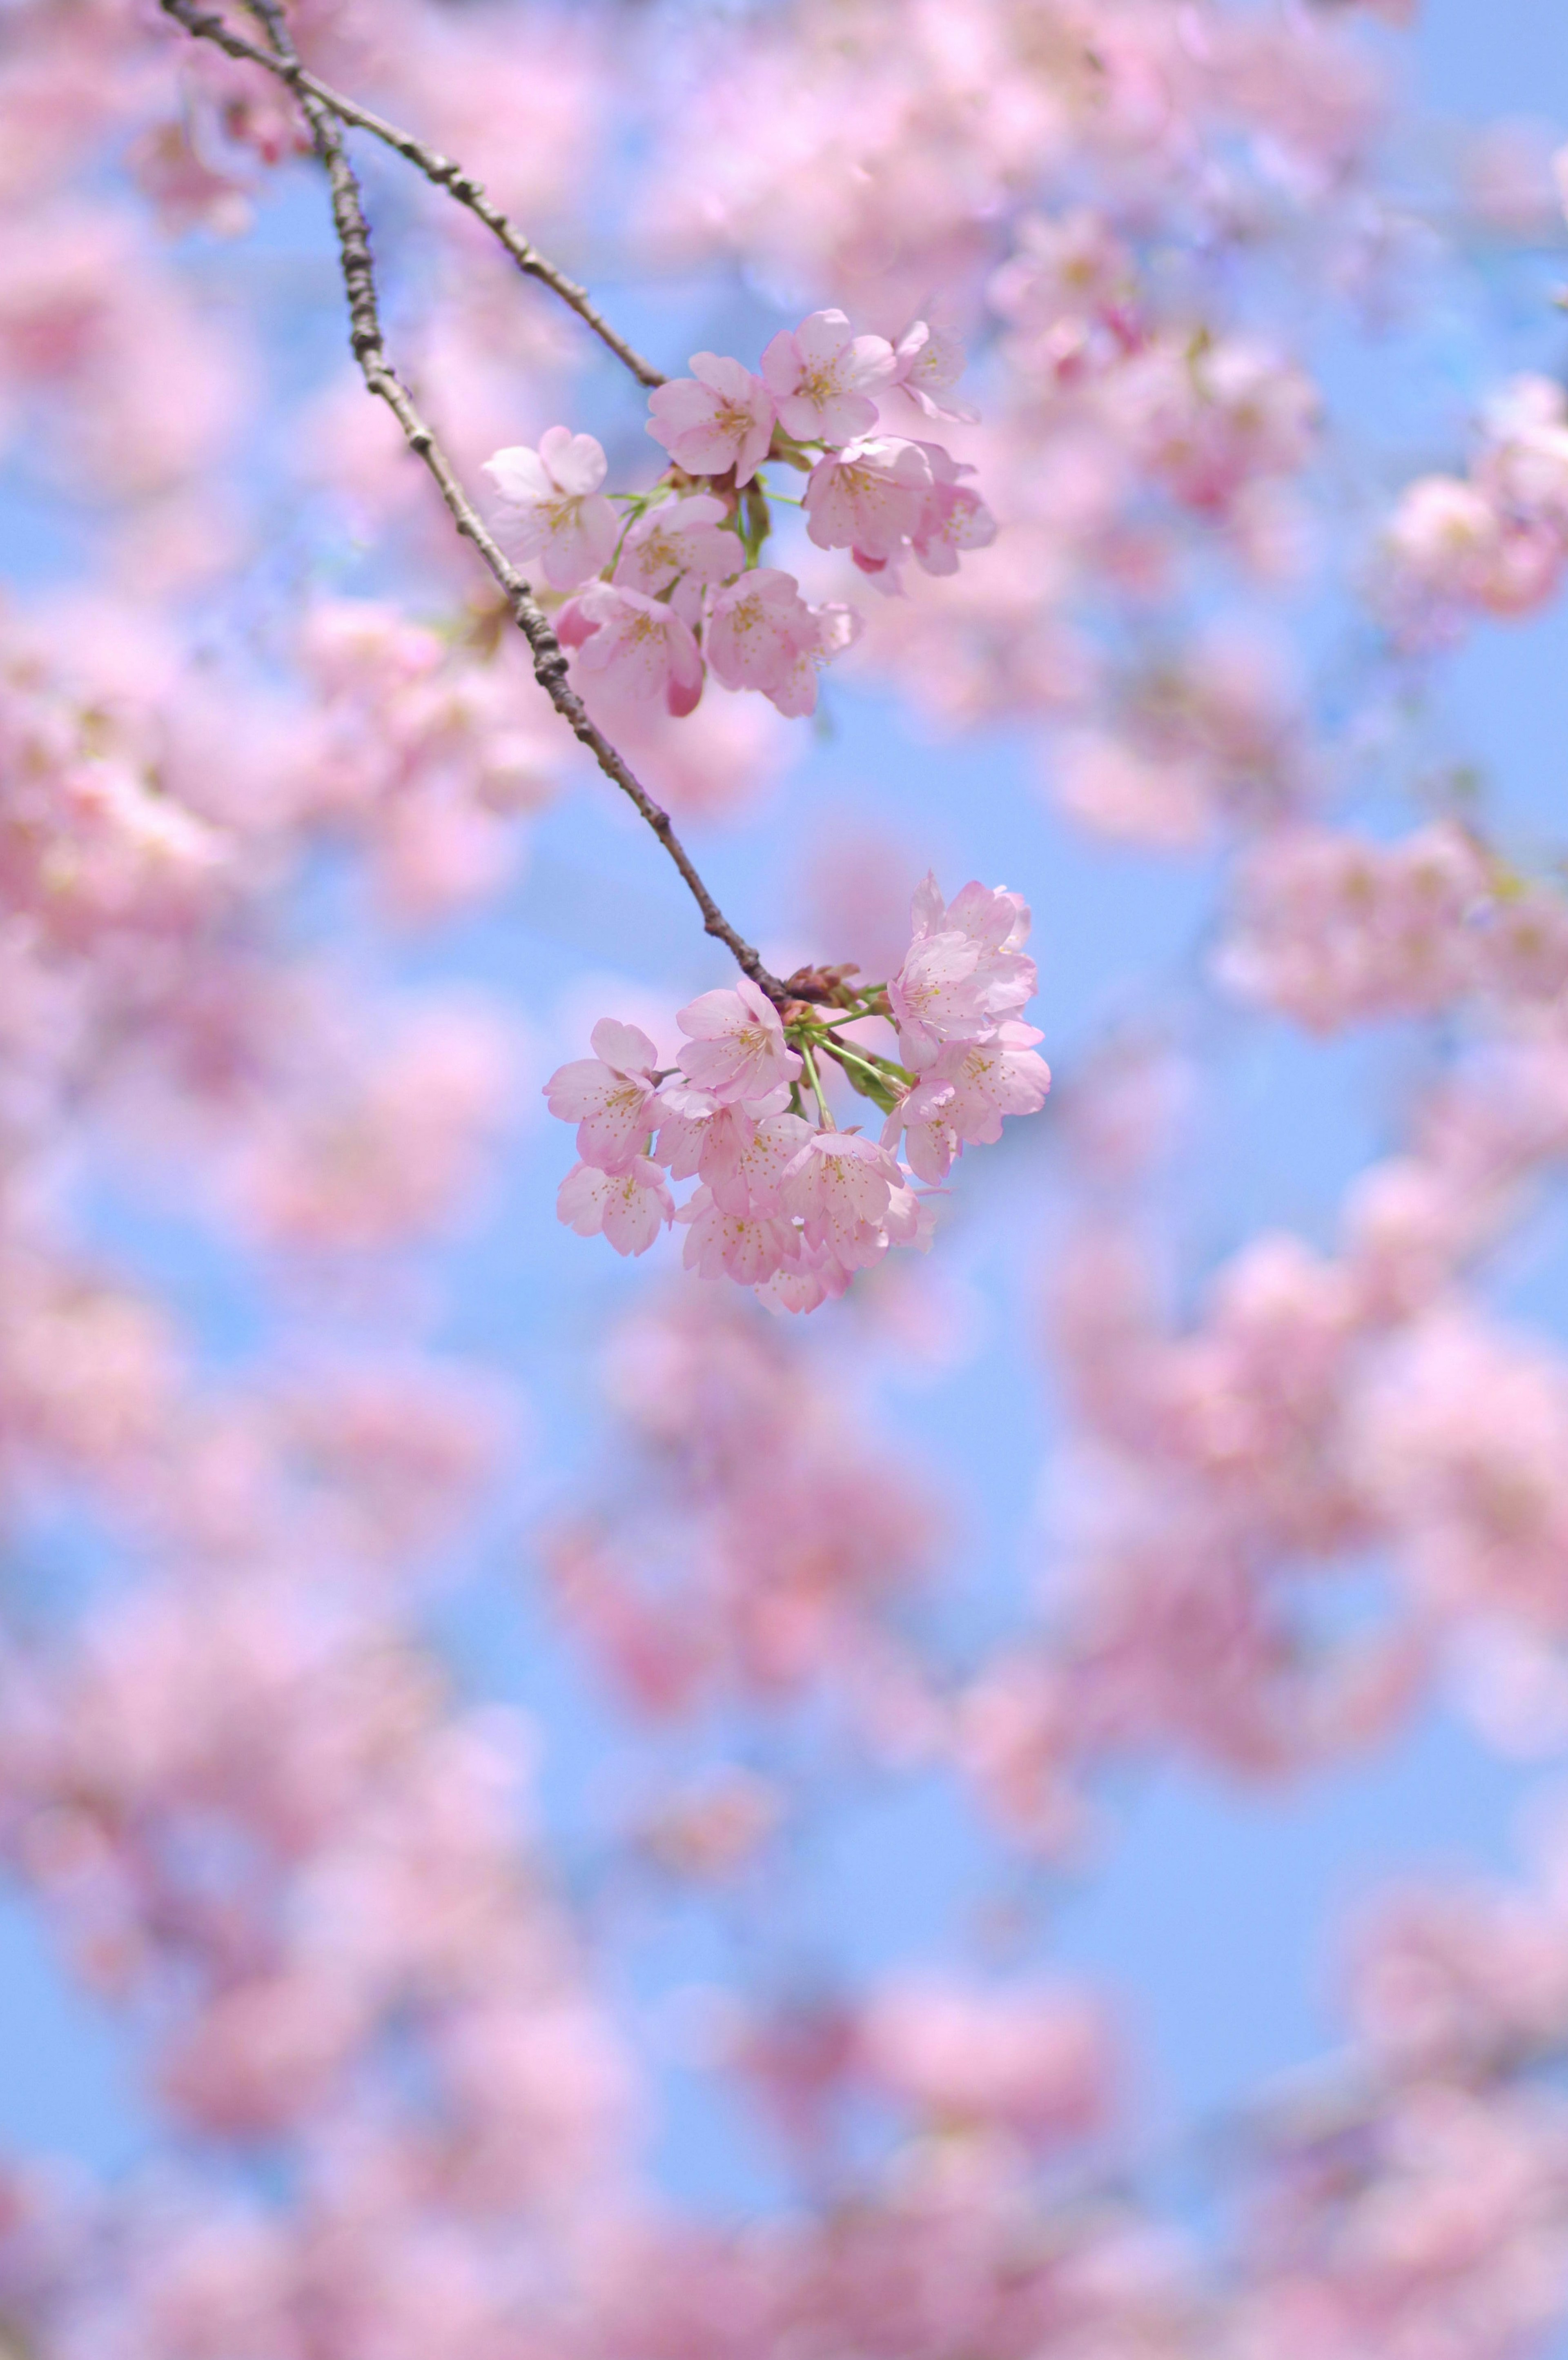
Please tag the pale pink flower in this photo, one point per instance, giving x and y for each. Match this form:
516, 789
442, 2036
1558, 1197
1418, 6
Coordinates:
1524, 949
688, 1118
726, 1143
609, 1095
743, 1162
1147, 795
1407, 1226
930, 1134
927, 363
910, 1218
637, 647
952, 516
681, 541
747, 1246
758, 629
1334, 929
262, 2056
1464, 1441
1457, 1976
871, 497
1442, 543
1211, 424
838, 626
1070, 265
1038, 2060
1524, 464
719, 417
818, 1277
556, 508
630, 1207
964, 972
964, 1095
735, 1046
821, 376
840, 1186
1003, 1074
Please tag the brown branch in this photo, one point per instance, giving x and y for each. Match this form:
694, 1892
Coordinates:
437, 169
370, 351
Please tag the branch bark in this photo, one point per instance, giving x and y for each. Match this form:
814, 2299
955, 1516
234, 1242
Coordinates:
369, 350
437, 169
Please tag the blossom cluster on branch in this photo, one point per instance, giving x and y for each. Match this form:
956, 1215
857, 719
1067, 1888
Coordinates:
679, 588
787, 1202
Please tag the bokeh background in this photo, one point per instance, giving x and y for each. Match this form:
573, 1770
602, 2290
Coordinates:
1214, 1916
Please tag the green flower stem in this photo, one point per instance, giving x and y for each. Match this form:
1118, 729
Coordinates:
815, 1078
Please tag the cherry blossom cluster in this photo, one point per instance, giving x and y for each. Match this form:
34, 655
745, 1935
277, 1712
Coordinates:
787, 1202
1213, 734
770, 1544
424, 749
671, 587
1334, 929
1317, 1405
1491, 541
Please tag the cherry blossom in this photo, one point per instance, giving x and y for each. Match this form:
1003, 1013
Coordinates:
964, 971
680, 542
928, 364
628, 1207
870, 496
607, 1095
758, 629
735, 1043
719, 418
842, 1185
822, 378
964, 1095
555, 510
762, 634
634, 647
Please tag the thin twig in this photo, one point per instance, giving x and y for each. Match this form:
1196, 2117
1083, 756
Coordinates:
438, 168
370, 351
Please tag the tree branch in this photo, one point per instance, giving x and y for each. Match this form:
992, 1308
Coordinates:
370, 351
437, 169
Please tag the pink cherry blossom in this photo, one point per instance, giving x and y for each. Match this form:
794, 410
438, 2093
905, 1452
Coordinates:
554, 506
744, 1168
719, 418
758, 629
964, 1094
735, 1046
608, 1095
840, 1185
964, 971
749, 1247
871, 496
927, 363
680, 541
635, 647
953, 517
1333, 927
815, 1278
822, 377
628, 1206
1039, 2060
836, 629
